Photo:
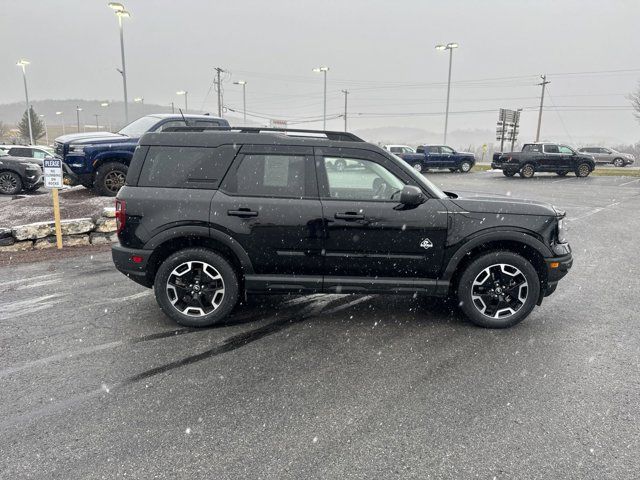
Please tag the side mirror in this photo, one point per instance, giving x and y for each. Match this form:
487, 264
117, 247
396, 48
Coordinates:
411, 196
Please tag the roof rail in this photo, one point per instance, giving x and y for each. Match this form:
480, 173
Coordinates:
331, 135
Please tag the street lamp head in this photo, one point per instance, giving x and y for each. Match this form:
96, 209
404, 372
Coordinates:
441, 47
118, 7
104, 104
452, 45
240, 82
321, 69
22, 63
78, 109
181, 92
58, 113
138, 99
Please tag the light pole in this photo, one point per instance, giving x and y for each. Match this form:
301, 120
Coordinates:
46, 129
121, 13
63, 127
173, 107
78, 110
450, 47
23, 63
324, 70
185, 93
97, 115
244, 98
346, 92
107, 105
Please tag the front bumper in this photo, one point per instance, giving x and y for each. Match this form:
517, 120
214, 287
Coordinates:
557, 268
123, 259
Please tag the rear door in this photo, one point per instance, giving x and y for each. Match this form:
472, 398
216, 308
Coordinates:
368, 232
269, 204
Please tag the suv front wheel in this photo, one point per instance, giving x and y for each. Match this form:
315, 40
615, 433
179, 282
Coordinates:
196, 287
498, 289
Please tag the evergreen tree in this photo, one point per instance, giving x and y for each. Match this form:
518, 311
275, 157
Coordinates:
37, 126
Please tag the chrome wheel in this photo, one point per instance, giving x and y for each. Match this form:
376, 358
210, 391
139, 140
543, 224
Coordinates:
113, 181
499, 291
618, 162
465, 167
583, 170
417, 167
195, 288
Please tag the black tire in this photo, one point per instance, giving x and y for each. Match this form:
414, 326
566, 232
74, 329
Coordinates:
167, 282
509, 173
32, 188
469, 294
340, 165
465, 166
562, 173
110, 178
527, 170
583, 170
417, 167
618, 162
10, 183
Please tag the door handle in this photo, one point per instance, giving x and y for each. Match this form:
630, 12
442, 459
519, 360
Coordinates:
349, 216
242, 212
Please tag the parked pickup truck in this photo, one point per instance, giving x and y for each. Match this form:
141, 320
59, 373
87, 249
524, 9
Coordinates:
439, 156
544, 157
100, 160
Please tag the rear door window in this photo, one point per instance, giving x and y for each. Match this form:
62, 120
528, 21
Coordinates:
551, 149
185, 167
20, 152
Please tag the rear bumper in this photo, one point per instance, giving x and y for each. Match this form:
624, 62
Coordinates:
123, 259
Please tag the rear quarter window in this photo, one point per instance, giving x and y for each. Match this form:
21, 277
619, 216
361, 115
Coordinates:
185, 167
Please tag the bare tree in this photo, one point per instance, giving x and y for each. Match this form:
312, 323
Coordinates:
4, 130
634, 98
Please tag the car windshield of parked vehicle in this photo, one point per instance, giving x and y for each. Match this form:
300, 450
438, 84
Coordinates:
138, 127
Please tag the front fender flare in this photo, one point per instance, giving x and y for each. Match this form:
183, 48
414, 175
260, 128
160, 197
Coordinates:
494, 236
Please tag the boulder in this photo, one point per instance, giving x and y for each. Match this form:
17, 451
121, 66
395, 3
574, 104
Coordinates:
34, 231
17, 247
104, 224
109, 212
98, 238
67, 241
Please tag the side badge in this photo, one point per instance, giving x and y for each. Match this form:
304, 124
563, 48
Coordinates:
426, 243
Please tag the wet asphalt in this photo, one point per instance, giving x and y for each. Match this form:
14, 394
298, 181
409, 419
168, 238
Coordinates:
95, 382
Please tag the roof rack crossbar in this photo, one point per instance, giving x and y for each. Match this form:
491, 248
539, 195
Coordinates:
331, 135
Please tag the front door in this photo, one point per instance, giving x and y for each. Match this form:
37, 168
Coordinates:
269, 203
368, 232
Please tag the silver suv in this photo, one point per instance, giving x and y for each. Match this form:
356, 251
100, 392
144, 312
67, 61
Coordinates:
603, 155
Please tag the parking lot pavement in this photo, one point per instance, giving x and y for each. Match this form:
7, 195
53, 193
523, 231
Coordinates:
98, 383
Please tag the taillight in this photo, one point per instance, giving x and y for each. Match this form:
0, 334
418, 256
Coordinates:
121, 215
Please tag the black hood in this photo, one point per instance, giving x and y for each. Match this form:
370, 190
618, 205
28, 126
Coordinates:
483, 203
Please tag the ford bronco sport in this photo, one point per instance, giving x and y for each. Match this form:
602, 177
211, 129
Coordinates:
209, 214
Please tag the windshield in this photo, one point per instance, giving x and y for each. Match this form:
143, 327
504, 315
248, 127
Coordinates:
138, 127
422, 180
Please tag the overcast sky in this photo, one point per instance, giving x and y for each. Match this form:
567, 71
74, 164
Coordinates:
381, 51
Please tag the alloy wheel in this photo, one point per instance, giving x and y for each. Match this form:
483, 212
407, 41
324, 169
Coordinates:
499, 291
465, 167
583, 170
8, 183
195, 288
417, 167
114, 181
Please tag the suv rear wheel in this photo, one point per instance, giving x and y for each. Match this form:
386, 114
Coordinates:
417, 167
10, 183
498, 289
583, 170
110, 178
196, 287
465, 166
527, 171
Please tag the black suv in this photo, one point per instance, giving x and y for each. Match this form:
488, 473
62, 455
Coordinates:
208, 215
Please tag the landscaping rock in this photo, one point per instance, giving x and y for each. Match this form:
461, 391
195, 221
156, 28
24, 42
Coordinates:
104, 224
67, 241
17, 247
34, 231
5, 242
103, 238
109, 212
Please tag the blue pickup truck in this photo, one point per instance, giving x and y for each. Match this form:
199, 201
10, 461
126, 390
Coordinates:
439, 156
100, 160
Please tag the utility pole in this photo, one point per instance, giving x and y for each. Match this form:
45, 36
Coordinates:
346, 92
78, 110
218, 83
173, 108
97, 124
544, 85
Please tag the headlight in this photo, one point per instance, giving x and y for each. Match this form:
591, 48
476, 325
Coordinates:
31, 166
78, 148
562, 232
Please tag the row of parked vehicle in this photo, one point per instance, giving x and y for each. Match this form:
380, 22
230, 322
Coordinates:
21, 167
534, 157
